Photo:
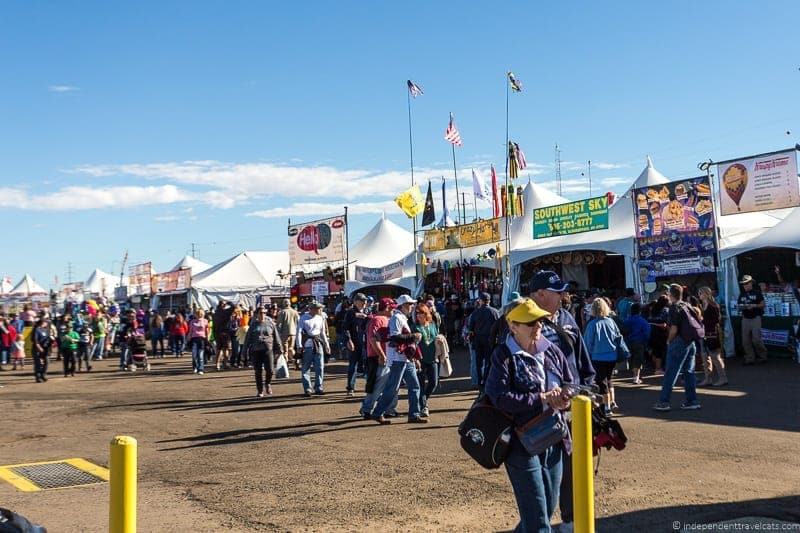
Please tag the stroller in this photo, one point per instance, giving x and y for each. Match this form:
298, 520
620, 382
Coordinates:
137, 344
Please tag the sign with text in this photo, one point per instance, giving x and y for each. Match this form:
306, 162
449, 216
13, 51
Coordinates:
759, 183
139, 279
381, 274
675, 228
321, 241
319, 289
463, 236
176, 280
573, 217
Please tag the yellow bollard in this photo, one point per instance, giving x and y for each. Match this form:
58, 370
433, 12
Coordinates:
122, 511
582, 473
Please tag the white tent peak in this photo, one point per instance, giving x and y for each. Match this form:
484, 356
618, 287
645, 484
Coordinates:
385, 243
249, 270
649, 176
195, 265
100, 282
649, 162
27, 285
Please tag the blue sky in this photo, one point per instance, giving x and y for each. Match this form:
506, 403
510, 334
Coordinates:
151, 125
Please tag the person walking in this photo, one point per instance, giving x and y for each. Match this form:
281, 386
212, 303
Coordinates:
263, 344
100, 330
241, 335
636, 331
85, 340
178, 334
429, 365
479, 329
287, 327
354, 327
312, 339
525, 378
712, 345
602, 338
377, 335
157, 334
42, 342
401, 366
222, 333
69, 347
8, 336
751, 304
680, 353
198, 336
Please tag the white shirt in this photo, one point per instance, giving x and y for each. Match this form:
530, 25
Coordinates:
313, 326
397, 323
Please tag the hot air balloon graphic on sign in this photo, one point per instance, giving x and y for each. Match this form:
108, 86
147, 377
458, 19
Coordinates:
735, 182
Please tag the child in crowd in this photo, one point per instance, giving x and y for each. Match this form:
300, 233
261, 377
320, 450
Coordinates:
18, 353
84, 346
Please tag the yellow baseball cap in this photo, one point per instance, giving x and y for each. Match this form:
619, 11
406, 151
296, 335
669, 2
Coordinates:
526, 312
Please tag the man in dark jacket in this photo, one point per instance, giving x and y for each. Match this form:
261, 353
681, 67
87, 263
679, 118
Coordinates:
562, 330
263, 344
479, 328
355, 326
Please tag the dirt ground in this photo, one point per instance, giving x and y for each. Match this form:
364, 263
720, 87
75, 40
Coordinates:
212, 457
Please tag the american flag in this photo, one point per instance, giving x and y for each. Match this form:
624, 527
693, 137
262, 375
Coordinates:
414, 89
451, 135
516, 86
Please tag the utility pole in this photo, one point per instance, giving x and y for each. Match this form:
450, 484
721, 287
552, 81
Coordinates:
558, 170
590, 178
69, 272
193, 253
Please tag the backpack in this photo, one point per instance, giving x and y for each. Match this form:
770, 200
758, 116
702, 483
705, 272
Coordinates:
690, 329
486, 434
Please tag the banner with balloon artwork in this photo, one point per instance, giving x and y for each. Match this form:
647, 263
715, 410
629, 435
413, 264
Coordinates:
321, 241
759, 183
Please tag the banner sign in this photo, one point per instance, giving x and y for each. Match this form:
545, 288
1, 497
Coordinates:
176, 280
139, 279
379, 275
463, 236
775, 337
573, 217
322, 241
319, 289
759, 183
675, 228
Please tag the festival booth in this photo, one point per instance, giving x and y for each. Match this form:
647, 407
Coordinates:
171, 290
382, 262
27, 291
248, 278
602, 258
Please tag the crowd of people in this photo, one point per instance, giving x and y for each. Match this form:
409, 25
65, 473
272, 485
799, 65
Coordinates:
526, 358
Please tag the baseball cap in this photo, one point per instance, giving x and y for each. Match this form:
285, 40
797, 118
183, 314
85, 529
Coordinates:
385, 303
316, 305
486, 297
526, 312
747, 278
405, 299
549, 280
360, 297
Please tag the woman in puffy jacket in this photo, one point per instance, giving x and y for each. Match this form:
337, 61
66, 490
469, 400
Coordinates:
601, 336
178, 333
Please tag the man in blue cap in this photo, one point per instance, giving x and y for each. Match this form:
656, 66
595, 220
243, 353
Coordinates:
562, 330
479, 328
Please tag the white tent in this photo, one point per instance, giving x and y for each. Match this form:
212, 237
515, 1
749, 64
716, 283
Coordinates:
241, 278
617, 239
384, 244
27, 286
749, 231
5, 285
101, 283
195, 265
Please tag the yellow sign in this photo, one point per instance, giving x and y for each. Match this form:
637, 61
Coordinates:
465, 236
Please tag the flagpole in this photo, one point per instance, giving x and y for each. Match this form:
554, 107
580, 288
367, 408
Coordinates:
507, 273
455, 176
475, 205
414, 218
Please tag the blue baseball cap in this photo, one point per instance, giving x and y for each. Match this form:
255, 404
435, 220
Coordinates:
549, 280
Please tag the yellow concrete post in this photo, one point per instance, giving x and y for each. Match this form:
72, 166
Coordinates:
582, 471
122, 508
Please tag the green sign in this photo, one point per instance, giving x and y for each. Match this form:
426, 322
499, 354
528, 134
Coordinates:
573, 217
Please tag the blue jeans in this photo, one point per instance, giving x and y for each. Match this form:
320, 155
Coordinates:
473, 366
123, 355
99, 347
3, 356
680, 358
368, 404
311, 358
353, 359
429, 380
177, 345
198, 350
536, 480
400, 370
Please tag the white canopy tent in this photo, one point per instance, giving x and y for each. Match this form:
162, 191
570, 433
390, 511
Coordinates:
384, 244
27, 286
242, 278
5, 285
195, 265
101, 283
617, 239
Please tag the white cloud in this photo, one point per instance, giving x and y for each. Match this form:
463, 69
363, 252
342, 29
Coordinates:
304, 209
167, 218
63, 88
600, 165
81, 198
616, 182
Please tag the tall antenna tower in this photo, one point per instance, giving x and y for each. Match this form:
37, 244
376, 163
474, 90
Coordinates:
558, 170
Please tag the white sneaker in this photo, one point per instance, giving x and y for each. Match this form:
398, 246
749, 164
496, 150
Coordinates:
200, 373
195, 371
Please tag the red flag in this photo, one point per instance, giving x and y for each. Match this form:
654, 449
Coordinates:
495, 199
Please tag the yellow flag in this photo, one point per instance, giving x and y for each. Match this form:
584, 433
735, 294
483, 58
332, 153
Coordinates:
410, 202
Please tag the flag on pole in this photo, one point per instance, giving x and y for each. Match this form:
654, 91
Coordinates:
429, 214
521, 161
516, 86
446, 221
516, 160
414, 89
410, 201
452, 135
495, 199
479, 188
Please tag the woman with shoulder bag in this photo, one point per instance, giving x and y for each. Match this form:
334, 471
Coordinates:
603, 339
525, 378
712, 354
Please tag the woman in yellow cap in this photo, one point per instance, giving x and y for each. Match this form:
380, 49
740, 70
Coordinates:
525, 379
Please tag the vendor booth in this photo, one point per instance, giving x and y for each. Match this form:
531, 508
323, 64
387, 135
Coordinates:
382, 262
247, 278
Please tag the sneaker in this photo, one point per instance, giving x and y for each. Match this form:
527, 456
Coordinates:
418, 420
382, 421
391, 414
147, 368
260, 395
365, 416
194, 370
307, 394
661, 406
269, 390
425, 413
614, 406
690, 406
319, 392
350, 394
636, 381
200, 373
